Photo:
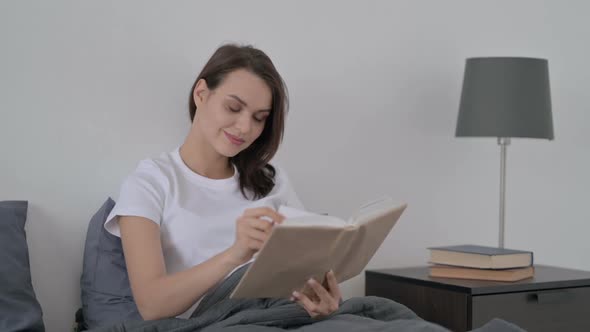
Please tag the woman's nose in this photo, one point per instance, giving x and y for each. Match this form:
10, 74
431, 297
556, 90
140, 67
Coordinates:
244, 124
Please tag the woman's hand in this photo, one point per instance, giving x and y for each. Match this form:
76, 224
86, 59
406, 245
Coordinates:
324, 301
252, 232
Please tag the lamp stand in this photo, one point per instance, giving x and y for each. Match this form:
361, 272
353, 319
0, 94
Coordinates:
503, 142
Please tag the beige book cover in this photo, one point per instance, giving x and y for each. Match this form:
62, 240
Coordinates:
309, 246
509, 275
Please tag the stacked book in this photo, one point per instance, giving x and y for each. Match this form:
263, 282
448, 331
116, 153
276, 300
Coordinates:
481, 263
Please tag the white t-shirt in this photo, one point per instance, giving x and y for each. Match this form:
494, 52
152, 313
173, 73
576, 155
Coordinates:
196, 214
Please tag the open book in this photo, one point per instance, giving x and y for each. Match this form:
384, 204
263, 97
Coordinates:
310, 245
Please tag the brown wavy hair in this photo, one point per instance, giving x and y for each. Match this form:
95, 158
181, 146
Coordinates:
256, 175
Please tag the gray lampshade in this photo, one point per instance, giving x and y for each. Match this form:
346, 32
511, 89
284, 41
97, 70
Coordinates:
505, 97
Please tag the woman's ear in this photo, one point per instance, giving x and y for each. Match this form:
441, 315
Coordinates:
201, 92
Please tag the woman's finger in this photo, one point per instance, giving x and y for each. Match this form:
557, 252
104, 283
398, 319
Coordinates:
321, 292
333, 285
258, 224
256, 234
309, 305
264, 212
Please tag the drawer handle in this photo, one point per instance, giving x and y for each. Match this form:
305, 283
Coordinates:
550, 297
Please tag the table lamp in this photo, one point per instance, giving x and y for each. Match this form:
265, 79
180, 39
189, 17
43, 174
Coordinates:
505, 97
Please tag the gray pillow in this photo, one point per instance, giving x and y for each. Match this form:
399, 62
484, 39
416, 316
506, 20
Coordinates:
19, 309
106, 293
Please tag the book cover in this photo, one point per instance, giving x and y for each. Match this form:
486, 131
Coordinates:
310, 246
481, 250
507, 275
483, 257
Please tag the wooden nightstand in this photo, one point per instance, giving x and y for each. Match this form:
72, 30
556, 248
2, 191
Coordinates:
555, 299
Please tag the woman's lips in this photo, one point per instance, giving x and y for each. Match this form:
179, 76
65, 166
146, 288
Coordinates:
233, 139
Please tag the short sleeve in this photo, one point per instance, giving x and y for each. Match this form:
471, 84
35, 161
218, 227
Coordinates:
142, 194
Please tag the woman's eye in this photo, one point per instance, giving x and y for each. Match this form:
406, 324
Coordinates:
260, 120
235, 110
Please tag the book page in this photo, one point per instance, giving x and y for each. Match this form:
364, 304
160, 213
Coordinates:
371, 208
296, 217
291, 212
316, 220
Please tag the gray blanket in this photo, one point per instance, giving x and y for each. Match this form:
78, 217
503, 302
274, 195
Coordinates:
219, 313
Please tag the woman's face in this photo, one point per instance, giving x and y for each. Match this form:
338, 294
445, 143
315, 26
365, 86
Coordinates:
232, 116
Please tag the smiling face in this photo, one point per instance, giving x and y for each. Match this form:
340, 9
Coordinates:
233, 115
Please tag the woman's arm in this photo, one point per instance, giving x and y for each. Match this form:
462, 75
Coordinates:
156, 294
159, 295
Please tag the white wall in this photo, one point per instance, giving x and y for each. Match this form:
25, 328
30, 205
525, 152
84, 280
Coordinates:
90, 88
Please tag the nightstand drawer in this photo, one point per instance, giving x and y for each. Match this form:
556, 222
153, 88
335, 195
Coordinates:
566, 309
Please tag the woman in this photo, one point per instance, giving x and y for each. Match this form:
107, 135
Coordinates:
190, 217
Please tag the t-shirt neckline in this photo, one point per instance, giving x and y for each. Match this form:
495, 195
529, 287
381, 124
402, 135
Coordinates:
227, 183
